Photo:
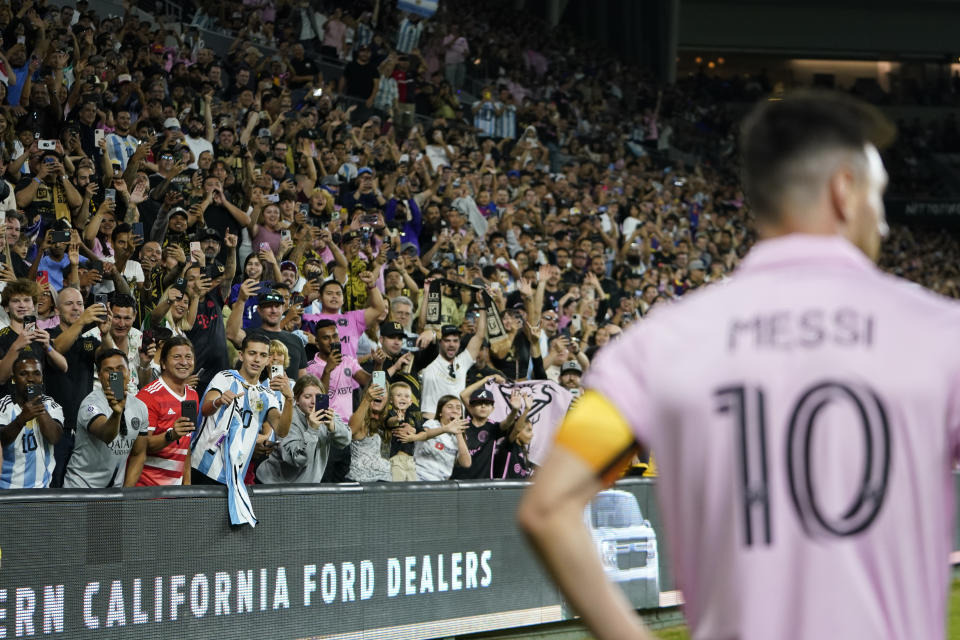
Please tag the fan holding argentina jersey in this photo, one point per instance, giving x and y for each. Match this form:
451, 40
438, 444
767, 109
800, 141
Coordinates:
240, 412
30, 424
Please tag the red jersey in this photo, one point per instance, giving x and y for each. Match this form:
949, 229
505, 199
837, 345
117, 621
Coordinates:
165, 467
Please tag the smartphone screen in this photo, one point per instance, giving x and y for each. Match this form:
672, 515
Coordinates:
100, 298
29, 323
116, 384
322, 402
188, 409
137, 228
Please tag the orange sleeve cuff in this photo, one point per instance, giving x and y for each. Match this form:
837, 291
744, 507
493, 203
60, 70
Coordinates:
595, 431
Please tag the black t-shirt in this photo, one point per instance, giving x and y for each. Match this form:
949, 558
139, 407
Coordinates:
44, 203
70, 387
480, 443
412, 418
294, 345
359, 79
305, 67
400, 376
209, 338
510, 461
219, 218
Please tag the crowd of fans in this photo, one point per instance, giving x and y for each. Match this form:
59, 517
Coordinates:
195, 245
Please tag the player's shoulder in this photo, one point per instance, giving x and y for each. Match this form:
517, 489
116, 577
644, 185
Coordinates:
6, 404
918, 299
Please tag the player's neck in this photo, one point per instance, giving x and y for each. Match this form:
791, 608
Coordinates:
252, 380
477, 422
177, 386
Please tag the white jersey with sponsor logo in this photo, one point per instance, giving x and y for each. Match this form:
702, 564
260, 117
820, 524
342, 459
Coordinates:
805, 418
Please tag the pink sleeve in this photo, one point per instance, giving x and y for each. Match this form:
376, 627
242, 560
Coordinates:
358, 322
619, 374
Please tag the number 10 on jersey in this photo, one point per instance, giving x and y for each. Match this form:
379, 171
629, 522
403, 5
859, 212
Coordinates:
746, 406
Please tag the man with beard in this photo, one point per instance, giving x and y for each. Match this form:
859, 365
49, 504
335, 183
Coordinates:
351, 324
447, 373
107, 429
160, 459
392, 357
200, 131
79, 350
271, 307
239, 413
46, 192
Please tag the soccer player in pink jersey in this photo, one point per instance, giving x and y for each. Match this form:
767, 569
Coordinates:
805, 415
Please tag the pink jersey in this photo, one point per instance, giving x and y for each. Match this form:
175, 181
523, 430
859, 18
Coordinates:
804, 416
342, 383
350, 326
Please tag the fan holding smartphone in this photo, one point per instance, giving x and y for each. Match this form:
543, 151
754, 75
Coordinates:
109, 424
172, 406
314, 428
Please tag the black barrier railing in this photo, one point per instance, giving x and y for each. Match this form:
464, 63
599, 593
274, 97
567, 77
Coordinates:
416, 560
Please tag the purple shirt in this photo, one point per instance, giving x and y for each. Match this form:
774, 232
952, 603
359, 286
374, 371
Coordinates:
804, 416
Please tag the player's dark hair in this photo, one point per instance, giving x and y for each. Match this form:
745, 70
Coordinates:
25, 356
778, 135
326, 284
444, 401
109, 353
170, 343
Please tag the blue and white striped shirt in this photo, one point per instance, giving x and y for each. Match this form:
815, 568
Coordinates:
408, 35
246, 414
507, 121
120, 148
27, 461
485, 119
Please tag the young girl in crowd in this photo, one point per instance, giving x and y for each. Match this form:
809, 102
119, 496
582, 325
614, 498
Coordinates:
440, 445
367, 463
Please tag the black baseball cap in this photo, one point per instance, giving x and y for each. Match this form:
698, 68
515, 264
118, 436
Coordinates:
391, 329
481, 396
269, 298
449, 330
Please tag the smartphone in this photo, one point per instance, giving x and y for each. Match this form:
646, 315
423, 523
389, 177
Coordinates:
110, 194
3, 217
273, 197
60, 236
370, 218
100, 298
322, 401
43, 277
276, 370
265, 246
29, 323
380, 379
334, 215
285, 234
34, 391
47, 145
199, 373
96, 265
137, 228
188, 409
304, 208
195, 247
98, 136
115, 379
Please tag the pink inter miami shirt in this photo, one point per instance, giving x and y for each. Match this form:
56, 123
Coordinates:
805, 420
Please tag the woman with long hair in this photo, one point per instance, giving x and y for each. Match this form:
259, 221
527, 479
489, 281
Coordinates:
258, 268
441, 445
177, 309
367, 463
301, 456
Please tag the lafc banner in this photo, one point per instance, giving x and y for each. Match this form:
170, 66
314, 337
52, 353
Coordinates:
435, 303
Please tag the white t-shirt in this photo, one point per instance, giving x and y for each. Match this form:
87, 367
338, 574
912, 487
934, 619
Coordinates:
437, 381
132, 271
197, 146
435, 457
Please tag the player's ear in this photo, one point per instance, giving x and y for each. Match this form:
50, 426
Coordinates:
841, 191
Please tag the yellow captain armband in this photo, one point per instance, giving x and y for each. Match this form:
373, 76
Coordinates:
597, 433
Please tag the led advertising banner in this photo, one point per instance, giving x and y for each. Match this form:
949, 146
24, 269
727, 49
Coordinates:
383, 561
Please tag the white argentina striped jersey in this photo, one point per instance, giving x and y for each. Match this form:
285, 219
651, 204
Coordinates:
28, 460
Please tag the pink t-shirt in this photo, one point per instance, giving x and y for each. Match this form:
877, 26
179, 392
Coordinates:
804, 416
342, 383
350, 326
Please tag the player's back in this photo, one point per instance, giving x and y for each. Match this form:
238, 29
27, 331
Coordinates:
804, 417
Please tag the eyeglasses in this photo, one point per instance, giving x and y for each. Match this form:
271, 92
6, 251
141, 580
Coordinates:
549, 317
